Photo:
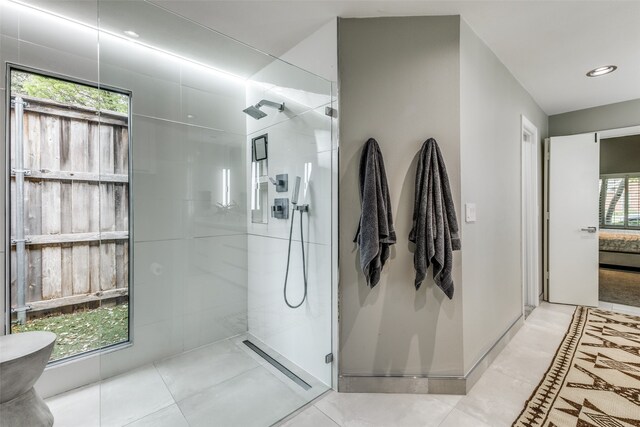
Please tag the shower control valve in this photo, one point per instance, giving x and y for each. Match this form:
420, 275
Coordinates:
281, 182
280, 208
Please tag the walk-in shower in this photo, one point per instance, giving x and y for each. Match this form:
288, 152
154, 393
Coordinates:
207, 259
255, 111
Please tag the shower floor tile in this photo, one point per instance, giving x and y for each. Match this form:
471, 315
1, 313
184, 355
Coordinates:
197, 370
255, 398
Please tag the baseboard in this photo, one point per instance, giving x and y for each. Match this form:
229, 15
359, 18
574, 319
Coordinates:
429, 384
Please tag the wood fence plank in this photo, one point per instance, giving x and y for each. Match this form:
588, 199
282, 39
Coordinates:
47, 174
120, 206
50, 143
51, 209
51, 256
120, 268
107, 266
34, 275
79, 146
107, 164
33, 207
78, 299
94, 252
65, 144
94, 149
31, 143
66, 276
80, 205
58, 239
42, 110
66, 207
81, 268
93, 195
107, 207
51, 272
121, 150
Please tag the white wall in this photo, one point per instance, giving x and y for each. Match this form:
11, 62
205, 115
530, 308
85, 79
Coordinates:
492, 102
300, 135
189, 271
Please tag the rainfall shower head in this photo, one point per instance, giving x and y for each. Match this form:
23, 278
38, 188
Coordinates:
255, 112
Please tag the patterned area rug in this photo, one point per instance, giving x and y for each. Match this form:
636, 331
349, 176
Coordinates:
594, 379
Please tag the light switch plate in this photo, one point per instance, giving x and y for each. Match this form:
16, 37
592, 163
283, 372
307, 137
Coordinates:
470, 212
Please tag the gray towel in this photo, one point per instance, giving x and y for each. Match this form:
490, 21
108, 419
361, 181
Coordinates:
375, 233
435, 228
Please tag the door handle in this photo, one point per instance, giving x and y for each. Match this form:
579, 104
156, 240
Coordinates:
589, 229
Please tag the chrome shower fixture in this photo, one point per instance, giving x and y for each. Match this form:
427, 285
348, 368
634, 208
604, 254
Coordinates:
255, 111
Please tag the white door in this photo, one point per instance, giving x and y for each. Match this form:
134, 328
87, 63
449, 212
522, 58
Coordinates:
574, 163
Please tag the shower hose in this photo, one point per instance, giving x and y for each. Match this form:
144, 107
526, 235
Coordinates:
304, 267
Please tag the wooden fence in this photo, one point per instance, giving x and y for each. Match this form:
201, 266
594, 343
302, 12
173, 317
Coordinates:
76, 205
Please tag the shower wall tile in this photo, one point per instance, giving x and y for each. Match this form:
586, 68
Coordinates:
9, 21
302, 335
9, 52
151, 342
136, 60
157, 219
61, 35
193, 76
213, 110
298, 84
64, 62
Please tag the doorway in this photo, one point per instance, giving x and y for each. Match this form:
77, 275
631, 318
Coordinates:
592, 209
619, 238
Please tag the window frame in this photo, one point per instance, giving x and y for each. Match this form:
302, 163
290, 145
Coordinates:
9, 68
602, 201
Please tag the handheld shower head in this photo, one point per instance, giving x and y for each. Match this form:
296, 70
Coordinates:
296, 190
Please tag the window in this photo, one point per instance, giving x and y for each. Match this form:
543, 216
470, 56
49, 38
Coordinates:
620, 201
69, 202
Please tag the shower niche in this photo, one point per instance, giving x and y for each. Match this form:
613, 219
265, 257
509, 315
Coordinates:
259, 180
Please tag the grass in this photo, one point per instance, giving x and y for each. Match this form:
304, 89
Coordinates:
83, 330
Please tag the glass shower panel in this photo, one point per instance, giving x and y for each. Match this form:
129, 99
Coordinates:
213, 341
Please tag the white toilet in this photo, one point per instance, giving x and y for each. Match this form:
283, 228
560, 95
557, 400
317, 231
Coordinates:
23, 357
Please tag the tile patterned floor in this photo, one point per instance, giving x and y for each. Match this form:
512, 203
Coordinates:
249, 392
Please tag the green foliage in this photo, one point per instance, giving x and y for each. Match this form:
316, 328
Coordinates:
83, 330
67, 93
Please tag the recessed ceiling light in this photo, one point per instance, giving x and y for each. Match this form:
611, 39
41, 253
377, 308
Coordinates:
131, 33
601, 71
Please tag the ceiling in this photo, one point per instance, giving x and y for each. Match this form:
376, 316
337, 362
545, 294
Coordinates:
547, 45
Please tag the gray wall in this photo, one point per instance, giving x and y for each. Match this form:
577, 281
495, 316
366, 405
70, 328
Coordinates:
612, 116
620, 155
398, 84
403, 80
492, 102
